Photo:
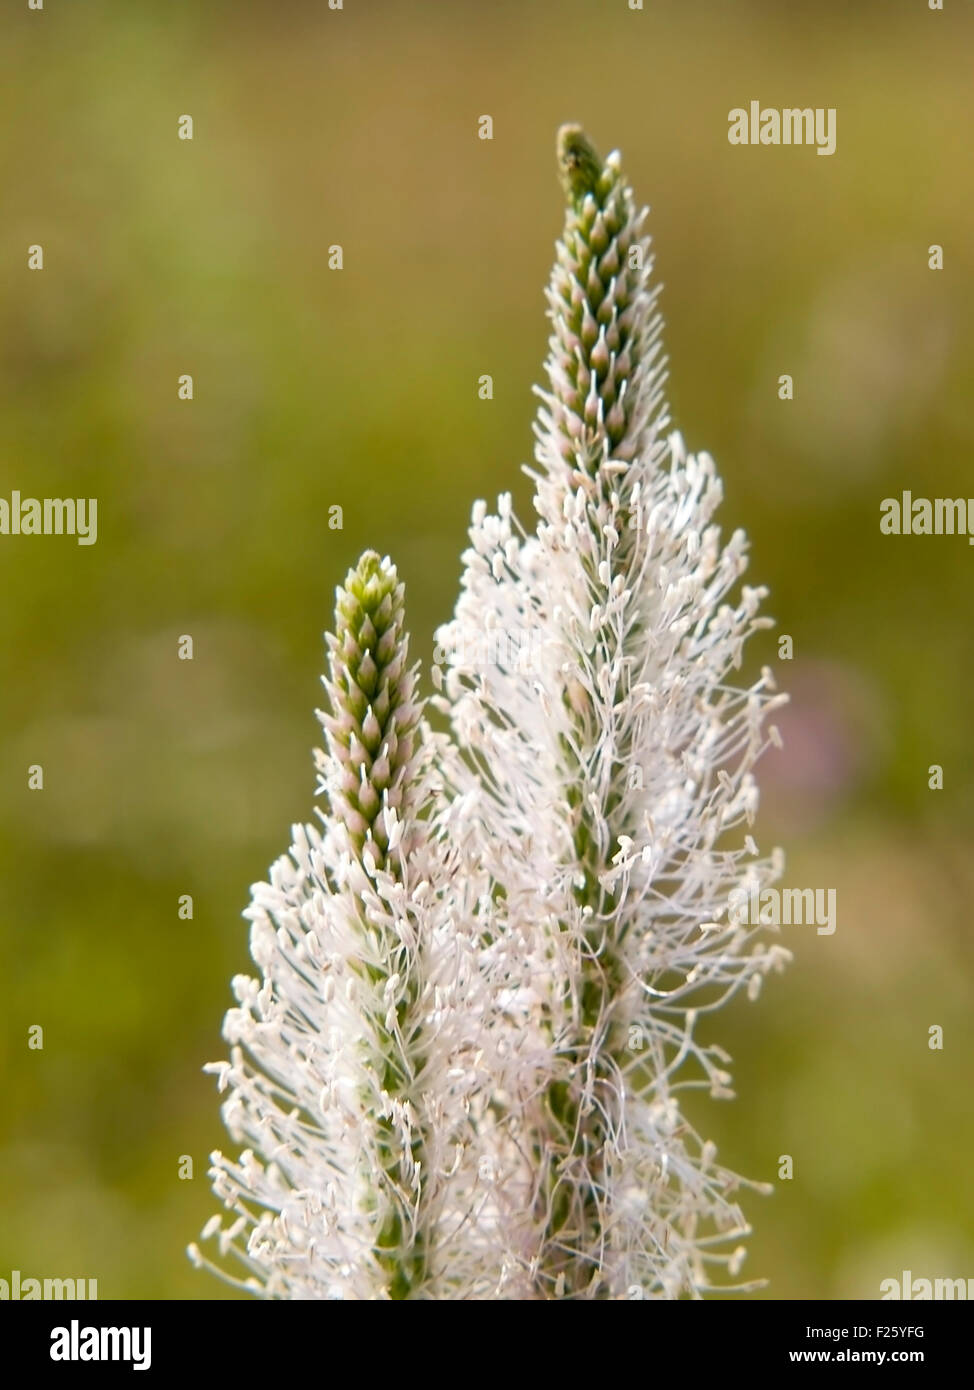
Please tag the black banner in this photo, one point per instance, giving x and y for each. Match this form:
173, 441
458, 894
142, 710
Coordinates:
216, 1339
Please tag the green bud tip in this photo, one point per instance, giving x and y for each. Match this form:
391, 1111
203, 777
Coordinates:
578, 163
370, 580
368, 567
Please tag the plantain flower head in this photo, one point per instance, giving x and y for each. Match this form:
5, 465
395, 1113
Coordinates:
352, 1053
617, 779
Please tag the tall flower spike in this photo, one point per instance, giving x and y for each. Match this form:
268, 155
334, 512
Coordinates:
617, 787
353, 1056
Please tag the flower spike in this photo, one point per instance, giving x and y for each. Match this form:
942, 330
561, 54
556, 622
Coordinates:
617, 777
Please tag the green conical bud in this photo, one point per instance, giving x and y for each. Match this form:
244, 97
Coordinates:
606, 380
371, 728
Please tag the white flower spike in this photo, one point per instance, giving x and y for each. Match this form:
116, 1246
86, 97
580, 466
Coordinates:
354, 1055
617, 786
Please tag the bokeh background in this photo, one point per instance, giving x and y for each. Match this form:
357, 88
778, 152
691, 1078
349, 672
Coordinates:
359, 388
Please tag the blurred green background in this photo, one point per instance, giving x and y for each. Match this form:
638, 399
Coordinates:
359, 388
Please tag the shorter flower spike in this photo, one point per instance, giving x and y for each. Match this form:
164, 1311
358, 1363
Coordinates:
355, 1067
